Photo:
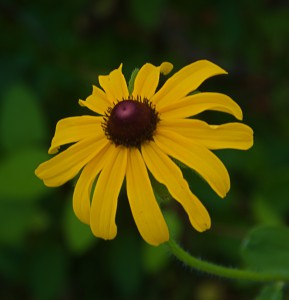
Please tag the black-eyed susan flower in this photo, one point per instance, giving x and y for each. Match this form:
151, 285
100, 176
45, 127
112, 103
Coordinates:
131, 133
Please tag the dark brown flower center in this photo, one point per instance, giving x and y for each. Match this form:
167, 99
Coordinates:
130, 122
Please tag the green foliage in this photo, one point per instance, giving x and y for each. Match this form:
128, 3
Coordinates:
157, 258
267, 249
271, 292
161, 192
265, 211
78, 235
22, 122
22, 132
17, 177
17, 219
132, 79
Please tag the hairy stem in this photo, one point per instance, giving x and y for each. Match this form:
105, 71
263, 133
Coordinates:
221, 271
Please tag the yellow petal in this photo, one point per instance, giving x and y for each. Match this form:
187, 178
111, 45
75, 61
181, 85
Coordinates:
147, 79
82, 191
230, 135
197, 157
114, 85
165, 171
195, 104
97, 101
65, 165
185, 81
74, 129
166, 68
104, 202
144, 207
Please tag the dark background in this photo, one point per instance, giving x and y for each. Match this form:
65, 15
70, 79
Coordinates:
51, 54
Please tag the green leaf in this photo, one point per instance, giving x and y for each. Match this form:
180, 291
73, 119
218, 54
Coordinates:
267, 249
132, 79
271, 292
17, 177
78, 235
21, 119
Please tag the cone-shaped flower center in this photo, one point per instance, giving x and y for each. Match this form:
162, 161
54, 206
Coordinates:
130, 122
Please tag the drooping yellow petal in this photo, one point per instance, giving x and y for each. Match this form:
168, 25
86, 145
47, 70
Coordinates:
97, 101
197, 157
144, 207
185, 81
114, 85
195, 104
147, 79
82, 191
165, 171
104, 202
230, 135
74, 129
65, 165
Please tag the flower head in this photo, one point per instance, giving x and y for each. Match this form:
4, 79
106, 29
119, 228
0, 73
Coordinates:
131, 133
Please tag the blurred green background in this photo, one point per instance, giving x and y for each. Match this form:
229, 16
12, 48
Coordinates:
51, 54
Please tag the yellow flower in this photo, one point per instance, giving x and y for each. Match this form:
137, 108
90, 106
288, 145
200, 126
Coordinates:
130, 134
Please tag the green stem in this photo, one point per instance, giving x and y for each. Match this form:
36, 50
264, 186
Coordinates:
226, 272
